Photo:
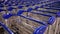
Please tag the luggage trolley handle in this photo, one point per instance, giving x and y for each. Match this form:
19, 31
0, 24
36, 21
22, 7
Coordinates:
57, 13
39, 30
51, 19
50, 3
42, 6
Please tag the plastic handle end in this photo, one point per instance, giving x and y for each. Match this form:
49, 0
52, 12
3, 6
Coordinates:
51, 20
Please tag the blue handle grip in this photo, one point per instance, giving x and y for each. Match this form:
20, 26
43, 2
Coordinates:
27, 5
29, 9
20, 6
5, 16
51, 20
10, 8
40, 30
20, 12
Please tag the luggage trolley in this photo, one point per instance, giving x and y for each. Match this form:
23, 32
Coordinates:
29, 20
